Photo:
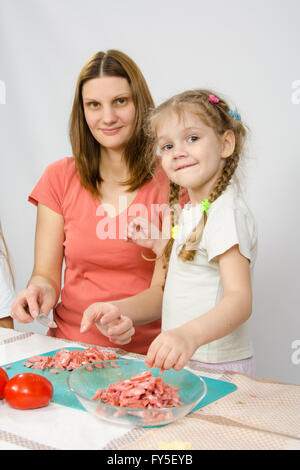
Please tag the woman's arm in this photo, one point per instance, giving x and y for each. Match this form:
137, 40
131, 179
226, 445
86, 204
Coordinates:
43, 289
174, 348
49, 250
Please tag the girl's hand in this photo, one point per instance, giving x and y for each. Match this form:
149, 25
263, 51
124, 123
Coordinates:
142, 232
171, 349
109, 320
33, 300
145, 234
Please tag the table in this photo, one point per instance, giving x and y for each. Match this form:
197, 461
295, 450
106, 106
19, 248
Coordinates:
259, 415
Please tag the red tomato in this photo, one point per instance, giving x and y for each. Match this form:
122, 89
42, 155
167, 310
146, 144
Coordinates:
3, 381
26, 391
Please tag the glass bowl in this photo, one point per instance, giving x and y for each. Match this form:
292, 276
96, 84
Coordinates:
86, 380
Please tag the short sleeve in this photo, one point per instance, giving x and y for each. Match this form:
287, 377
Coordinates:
50, 188
7, 293
226, 228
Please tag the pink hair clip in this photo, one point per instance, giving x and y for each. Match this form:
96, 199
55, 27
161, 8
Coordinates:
213, 99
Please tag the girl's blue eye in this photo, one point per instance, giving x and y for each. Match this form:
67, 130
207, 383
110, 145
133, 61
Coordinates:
91, 105
193, 138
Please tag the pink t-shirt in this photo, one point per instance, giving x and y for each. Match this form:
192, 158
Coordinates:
97, 268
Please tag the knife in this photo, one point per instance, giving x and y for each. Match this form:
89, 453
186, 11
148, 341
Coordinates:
43, 319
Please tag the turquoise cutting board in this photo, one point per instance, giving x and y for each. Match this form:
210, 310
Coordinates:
62, 395
216, 389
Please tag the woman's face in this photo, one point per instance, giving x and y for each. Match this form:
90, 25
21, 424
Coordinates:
109, 110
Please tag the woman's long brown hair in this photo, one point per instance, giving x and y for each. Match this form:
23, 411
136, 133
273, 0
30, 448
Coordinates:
86, 149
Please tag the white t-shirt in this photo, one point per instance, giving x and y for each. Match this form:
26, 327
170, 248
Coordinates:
194, 287
7, 294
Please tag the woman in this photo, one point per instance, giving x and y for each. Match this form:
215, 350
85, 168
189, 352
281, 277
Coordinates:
82, 208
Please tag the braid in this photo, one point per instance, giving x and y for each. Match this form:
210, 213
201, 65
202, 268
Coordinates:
174, 215
188, 251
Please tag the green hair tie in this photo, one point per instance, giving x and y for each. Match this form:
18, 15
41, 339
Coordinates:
204, 205
175, 231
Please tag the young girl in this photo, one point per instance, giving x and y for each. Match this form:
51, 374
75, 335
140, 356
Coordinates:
207, 295
6, 285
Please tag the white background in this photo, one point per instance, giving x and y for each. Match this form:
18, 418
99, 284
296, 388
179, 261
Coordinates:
246, 49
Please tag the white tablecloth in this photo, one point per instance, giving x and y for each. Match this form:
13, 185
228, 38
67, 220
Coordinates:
54, 426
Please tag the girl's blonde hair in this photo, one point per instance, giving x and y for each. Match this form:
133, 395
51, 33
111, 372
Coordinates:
86, 149
5, 253
216, 114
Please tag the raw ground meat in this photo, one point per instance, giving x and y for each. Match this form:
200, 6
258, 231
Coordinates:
69, 360
141, 391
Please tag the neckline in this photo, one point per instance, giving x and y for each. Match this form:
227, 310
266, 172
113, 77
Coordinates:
98, 204
188, 206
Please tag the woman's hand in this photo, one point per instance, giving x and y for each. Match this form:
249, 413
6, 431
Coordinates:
33, 300
43, 289
145, 234
109, 320
171, 349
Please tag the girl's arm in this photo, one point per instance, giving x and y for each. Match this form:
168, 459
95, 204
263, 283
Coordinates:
174, 348
146, 306
236, 305
43, 289
116, 318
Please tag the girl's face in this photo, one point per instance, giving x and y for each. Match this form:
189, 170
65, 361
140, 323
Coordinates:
109, 110
193, 155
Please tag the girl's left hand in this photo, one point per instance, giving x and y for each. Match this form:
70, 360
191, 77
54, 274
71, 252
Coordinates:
142, 232
171, 349
146, 234
108, 319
